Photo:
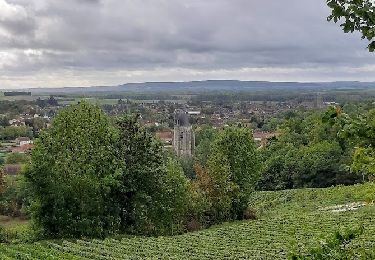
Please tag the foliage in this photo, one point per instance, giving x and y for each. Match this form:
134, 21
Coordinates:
289, 218
307, 153
187, 164
219, 188
14, 107
204, 138
51, 101
335, 247
15, 230
72, 172
12, 132
13, 196
15, 158
90, 177
234, 165
4, 121
278, 167
36, 124
358, 15
319, 165
359, 130
173, 199
2, 181
148, 191
201, 205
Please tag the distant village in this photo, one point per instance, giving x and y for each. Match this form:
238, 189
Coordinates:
174, 122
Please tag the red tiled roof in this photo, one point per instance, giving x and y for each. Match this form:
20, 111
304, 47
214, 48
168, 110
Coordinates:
165, 135
23, 148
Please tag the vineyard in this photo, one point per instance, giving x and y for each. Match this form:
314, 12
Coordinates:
287, 221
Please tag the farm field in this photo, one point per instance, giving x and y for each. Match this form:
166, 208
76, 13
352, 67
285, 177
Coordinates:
96, 101
287, 221
112, 101
17, 98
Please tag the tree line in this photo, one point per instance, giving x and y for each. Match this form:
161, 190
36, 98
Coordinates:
91, 175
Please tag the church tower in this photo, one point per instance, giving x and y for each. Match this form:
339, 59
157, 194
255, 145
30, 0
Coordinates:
183, 137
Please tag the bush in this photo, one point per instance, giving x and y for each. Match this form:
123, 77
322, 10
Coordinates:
174, 200
235, 160
91, 178
13, 196
3, 236
71, 175
250, 214
223, 187
154, 193
15, 158
335, 247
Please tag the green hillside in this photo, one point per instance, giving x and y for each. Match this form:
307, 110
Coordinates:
287, 221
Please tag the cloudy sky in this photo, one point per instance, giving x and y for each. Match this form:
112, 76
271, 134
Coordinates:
56, 43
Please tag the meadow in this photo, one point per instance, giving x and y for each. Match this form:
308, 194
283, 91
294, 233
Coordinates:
288, 221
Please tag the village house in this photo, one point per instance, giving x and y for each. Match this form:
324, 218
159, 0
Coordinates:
21, 141
26, 148
166, 137
261, 138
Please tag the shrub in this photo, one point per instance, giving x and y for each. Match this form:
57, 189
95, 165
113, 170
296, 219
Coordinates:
335, 247
13, 196
15, 158
222, 188
250, 214
3, 235
71, 174
174, 200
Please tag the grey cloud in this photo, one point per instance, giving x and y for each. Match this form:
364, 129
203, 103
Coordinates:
193, 34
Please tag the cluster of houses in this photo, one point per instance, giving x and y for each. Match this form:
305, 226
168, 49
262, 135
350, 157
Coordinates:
21, 120
182, 138
21, 145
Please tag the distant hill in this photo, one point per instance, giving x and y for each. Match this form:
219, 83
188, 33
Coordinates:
208, 85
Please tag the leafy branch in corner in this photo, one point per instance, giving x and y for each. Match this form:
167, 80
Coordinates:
357, 15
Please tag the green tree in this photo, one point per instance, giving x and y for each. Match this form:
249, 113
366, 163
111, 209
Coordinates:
12, 132
13, 196
15, 158
222, 191
318, 165
143, 167
280, 162
235, 149
187, 163
72, 173
308, 153
152, 193
204, 138
172, 202
360, 130
358, 15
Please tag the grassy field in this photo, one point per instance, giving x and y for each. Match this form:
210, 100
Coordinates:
112, 101
17, 98
95, 101
287, 221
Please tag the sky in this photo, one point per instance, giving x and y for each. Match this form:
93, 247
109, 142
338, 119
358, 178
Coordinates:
55, 43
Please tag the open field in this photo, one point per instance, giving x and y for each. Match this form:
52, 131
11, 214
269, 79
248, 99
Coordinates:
113, 101
27, 98
96, 101
287, 220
